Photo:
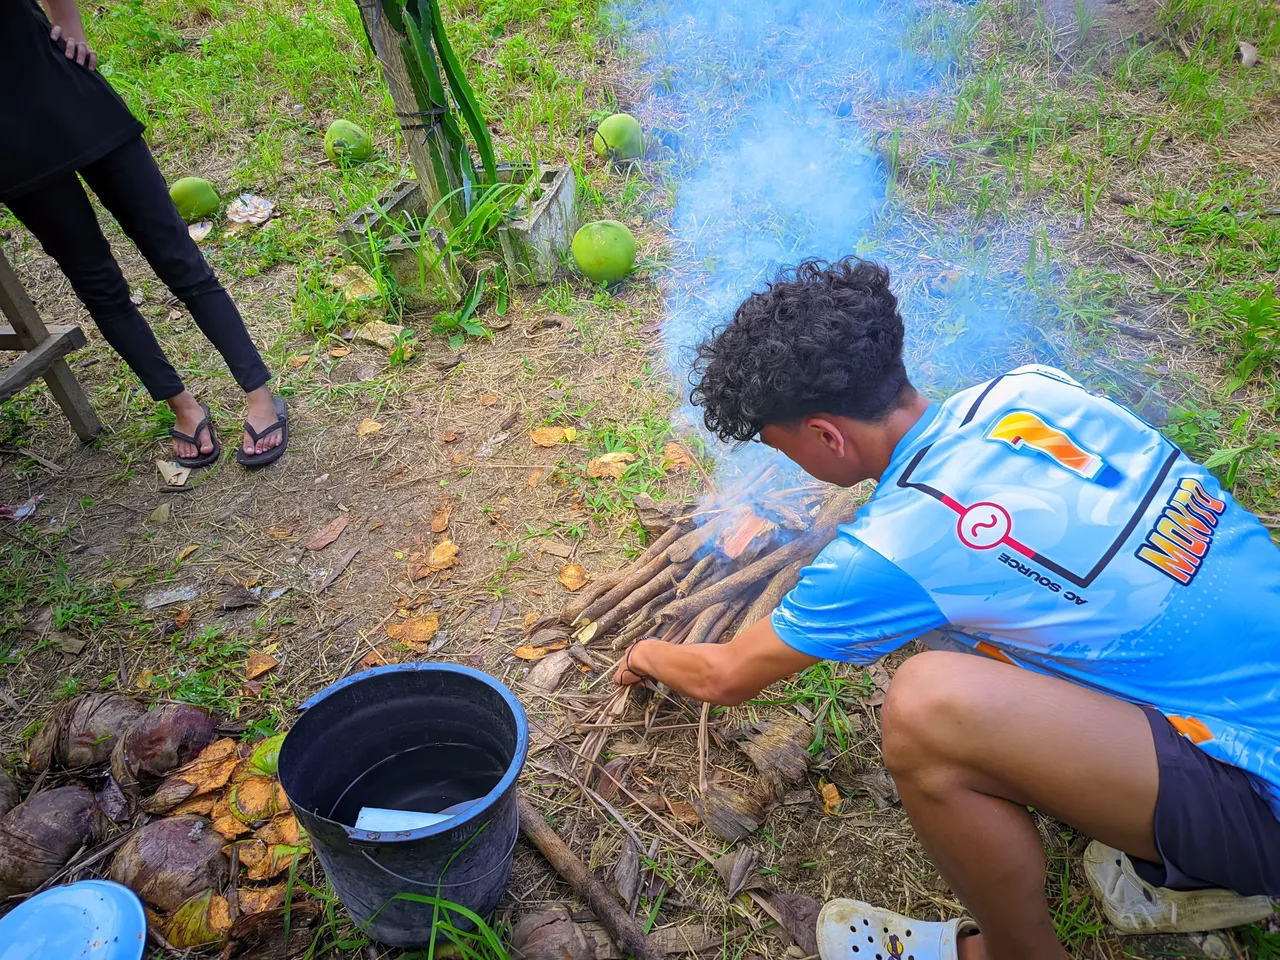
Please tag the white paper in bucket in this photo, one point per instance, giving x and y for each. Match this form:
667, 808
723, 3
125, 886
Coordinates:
381, 820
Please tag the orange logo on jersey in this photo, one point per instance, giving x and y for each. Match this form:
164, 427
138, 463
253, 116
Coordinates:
1024, 430
1183, 533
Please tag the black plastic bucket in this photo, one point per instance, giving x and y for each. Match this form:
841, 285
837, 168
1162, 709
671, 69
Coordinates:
410, 736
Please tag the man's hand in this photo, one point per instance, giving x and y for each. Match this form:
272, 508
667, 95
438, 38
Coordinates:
77, 50
722, 673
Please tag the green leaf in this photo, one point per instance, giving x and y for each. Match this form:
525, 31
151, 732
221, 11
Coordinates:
1226, 455
462, 91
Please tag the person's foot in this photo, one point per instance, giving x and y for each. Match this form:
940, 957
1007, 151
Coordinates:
262, 414
187, 414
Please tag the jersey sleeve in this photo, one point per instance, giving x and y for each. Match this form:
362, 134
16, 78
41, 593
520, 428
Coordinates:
852, 604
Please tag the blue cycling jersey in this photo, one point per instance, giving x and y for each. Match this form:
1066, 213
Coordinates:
1033, 521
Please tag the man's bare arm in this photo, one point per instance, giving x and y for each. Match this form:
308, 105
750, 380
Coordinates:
722, 673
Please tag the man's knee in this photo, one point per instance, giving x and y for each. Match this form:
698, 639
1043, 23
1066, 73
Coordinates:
927, 705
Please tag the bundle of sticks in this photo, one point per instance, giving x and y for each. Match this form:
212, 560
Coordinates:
708, 576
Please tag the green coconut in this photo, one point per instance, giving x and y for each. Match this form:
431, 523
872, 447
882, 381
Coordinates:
346, 142
195, 198
619, 138
605, 251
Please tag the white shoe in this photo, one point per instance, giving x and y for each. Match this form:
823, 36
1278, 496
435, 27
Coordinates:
853, 930
1134, 906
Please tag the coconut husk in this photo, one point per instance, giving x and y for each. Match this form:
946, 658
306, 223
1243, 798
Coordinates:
159, 742
169, 861
10, 792
262, 936
82, 732
38, 837
201, 921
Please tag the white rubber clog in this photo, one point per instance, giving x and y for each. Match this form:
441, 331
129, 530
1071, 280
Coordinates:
853, 930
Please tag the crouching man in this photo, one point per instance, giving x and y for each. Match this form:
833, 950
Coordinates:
1124, 608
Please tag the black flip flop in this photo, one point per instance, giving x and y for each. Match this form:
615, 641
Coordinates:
204, 459
255, 460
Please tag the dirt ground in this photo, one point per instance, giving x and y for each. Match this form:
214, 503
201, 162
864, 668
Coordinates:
449, 459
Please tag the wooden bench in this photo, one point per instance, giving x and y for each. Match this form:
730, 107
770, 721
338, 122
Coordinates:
45, 348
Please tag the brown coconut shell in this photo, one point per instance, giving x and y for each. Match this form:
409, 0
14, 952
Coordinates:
160, 741
168, 862
38, 837
83, 731
10, 793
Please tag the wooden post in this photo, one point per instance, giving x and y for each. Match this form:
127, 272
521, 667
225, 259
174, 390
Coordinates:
386, 46
31, 333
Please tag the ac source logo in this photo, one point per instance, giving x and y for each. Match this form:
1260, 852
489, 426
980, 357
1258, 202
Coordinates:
984, 525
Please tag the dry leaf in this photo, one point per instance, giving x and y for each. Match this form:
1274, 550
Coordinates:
186, 552
259, 663
440, 519
258, 899
443, 555
729, 812
573, 576
339, 351
488, 399
535, 477
375, 658
299, 361
279, 533
610, 466
417, 633
530, 620
740, 870
830, 799
322, 538
683, 811
549, 933
800, 919
626, 873
144, 679
780, 750
675, 456
547, 436
183, 618
367, 427
530, 652
448, 436
283, 828
879, 675
548, 672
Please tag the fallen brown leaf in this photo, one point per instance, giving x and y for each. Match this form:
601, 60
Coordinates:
440, 519
572, 576
535, 477
258, 899
530, 619
375, 658
780, 750
683, 811
530, 652
610, 466
299, 361
186, 552
258, 664
417, 632
339, 351
730, 812
367, 427
830, 799
675, 456
740, 870
443, 555
279, 533
448, 436
799, 916
183, 618
488, 399
550, 436
326, 535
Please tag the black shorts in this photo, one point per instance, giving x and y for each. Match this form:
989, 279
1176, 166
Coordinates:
1213, 829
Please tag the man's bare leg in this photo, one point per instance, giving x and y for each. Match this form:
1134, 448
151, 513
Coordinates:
971, 743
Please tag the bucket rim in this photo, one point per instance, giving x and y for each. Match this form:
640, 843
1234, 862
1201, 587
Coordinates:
484, 804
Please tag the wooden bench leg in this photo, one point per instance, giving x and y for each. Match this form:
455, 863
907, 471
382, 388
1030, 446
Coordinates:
71, 398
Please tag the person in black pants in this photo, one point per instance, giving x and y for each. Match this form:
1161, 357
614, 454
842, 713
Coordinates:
62, 118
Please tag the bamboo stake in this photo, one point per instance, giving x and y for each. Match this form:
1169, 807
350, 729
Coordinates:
625, 932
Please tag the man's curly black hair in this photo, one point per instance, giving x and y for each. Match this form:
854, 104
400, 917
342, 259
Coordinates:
822, 338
